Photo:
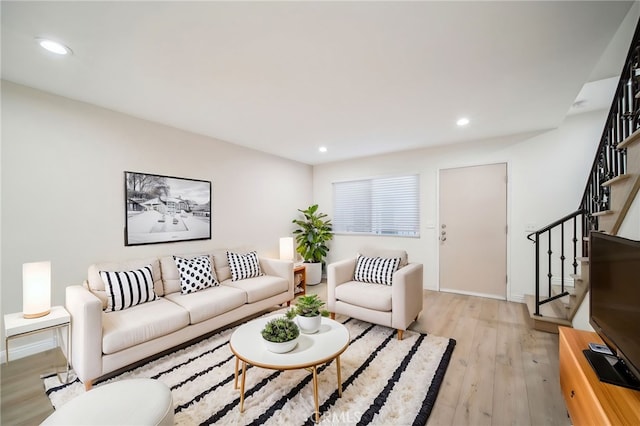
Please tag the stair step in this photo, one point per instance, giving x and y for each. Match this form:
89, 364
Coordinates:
629, 140
583, 259
549, 319
557, 289
603, 213
612, 181
566, 301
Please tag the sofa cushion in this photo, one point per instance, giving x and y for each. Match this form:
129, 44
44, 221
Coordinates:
125, 289
386, 253
96, 285
259, 288
141, 323
244, 266
375, 270
209, 303
195, 274
366, 295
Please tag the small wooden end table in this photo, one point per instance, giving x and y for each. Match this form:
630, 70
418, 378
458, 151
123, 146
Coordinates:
300, 280
312, 350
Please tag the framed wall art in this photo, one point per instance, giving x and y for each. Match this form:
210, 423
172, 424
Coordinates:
166, 209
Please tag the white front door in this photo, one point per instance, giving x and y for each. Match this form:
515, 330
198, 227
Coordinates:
473, 230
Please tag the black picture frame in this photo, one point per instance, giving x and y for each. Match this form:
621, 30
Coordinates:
165, 209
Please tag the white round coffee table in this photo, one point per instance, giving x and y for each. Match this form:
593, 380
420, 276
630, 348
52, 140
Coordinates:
312, 350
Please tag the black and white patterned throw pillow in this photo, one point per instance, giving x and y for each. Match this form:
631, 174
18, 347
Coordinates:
244, 265
195, 274
128, 288
376, 270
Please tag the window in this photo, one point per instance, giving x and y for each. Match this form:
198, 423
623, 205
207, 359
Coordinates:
383, 206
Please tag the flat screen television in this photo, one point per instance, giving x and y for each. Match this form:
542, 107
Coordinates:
614, 280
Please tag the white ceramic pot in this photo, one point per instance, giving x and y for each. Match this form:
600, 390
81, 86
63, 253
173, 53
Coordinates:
308, 325
313, 273
280, 347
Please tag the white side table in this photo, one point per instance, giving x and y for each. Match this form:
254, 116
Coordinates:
15, 326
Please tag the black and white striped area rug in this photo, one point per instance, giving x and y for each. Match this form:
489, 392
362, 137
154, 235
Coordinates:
385, 382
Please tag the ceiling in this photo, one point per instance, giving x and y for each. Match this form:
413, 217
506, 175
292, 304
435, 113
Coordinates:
361, 78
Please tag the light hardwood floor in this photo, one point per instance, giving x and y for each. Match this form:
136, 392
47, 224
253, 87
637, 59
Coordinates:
501, 371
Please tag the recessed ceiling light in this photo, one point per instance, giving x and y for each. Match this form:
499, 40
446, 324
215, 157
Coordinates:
462, 121
322, 149
53, 46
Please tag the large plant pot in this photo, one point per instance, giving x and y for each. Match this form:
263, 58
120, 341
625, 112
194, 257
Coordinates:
313, 273
280, 348
309, 325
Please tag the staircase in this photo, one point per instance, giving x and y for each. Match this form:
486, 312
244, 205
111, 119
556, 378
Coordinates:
562, 247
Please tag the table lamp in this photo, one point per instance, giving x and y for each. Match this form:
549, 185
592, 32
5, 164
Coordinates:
36, 289
287, 251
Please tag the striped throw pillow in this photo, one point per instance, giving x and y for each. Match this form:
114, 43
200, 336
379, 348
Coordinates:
243, 265
376, 270
195, 274
128, 288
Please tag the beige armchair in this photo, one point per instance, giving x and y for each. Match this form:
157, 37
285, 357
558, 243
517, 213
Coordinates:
396, 305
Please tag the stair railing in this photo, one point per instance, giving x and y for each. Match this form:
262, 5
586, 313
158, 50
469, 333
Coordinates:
556, 235
610, 161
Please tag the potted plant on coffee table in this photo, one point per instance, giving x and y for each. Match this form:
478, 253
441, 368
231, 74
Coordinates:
312, 235
280, 335
308, 313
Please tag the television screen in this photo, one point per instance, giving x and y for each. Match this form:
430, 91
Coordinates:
614, 280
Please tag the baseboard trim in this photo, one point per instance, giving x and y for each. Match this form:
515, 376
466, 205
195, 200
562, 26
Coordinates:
471, 293
18, 351
518, 298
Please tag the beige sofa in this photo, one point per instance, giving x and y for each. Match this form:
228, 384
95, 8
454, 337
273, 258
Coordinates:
103, 342
396, 305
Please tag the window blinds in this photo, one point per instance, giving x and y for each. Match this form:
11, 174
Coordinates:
381, 206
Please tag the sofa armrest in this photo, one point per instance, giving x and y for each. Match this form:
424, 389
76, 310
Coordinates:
86, 332
279, 268
338, 273
406, 295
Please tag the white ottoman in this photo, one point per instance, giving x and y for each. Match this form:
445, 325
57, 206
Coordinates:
127, 402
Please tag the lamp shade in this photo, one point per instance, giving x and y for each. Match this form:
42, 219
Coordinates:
287, 251
36, 289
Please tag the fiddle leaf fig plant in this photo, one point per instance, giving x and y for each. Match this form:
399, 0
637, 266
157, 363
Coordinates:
280, 330
308, 306
313, 232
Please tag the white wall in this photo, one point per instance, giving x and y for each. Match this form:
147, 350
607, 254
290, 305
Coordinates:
547, 176
63, 187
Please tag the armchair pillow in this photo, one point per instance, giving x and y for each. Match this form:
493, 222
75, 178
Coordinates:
195, 274
128, 288
244, 265
375, 270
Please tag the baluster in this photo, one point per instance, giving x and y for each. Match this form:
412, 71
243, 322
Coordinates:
562, 257
549, 274
537, 313
625, 105
617, 121
612, 163
634, 89
629, 101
